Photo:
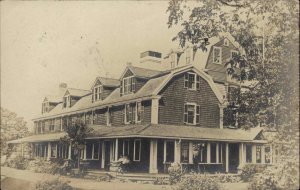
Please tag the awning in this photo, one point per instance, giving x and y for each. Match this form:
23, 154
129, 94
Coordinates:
160, 132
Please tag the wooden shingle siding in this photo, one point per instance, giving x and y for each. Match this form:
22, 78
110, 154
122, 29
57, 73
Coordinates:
174, 96
118, 115
74, 100
139, 83
57, 124
106, 91
128, 74
147, 112
100, 117
218, 71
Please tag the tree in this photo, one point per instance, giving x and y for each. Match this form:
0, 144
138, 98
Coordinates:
76, 135
12, 127
268, 32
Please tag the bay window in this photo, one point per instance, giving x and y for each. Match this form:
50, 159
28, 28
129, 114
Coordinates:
191, 113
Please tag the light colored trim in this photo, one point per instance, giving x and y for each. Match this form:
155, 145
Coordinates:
190, 152
103, 154
137, 140
195, 112
165, 151
232, 51
116, 149
208, 148
227, 158
154, 111
153, 156
263, 154
217, 153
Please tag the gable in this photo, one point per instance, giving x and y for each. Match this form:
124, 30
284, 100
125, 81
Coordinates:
67, 93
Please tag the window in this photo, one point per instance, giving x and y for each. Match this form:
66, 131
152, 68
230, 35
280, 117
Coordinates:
109, 117
248, 153
53, 151
233, 53
51, 125
217, 52
45, 107
97, 93
184, 152
62, 151
268, 154
128, 85
40, 150
191, 113
66, 101
129, 113
126, 148
258, 154
137, 150
92, 151
139, 112
213, 153
192, 81
40, 128
199, 152
226, 42
170, 151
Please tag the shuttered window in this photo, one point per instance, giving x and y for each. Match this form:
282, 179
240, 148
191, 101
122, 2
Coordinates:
192, 81
128, 85
191, 113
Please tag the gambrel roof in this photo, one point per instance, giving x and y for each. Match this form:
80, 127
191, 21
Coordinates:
148, 91
142, 72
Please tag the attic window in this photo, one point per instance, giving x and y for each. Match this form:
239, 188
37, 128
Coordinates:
97, 93
226, 42
192, 81
217, 54
66, 101
128, 85
191, 113
45, 107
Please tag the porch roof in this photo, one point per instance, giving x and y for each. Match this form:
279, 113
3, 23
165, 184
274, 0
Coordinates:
158, 131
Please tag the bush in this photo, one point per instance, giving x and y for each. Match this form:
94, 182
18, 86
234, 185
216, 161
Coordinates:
54, 166
264, 182
249, 170
18, 162
198, 182
52, 184
175, 173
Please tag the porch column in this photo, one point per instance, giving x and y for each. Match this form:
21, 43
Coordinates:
61, 123
227, 158
153, 156
263, 157
208, 153
165, 151
177, 151
70, 151
116, 149
103, 154
190, 152
254, 154
241, 155
217, 153
84, 152
49, 151
221, 115
154, 110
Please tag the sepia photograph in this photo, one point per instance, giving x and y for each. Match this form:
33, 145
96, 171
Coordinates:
149, 95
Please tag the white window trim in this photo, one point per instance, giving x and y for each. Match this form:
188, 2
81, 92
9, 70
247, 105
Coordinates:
196, 81
195, 112
93, 152
125, 114
215, 47
99, 92
127, 146
136, 112
108, 117
135, 140
127, 86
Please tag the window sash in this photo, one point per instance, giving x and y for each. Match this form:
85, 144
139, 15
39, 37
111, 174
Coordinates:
184, 156
191, 113
128, 85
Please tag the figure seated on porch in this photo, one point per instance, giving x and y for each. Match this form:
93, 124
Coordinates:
124, 163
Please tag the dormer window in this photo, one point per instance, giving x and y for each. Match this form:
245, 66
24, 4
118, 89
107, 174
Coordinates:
128, 85
217, 55
226, 42
66, 101
233, 53
45, 107
97, 93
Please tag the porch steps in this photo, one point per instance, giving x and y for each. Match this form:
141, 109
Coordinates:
134, 177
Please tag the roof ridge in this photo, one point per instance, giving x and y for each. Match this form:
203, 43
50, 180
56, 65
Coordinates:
145, 68
107, 78
78, 89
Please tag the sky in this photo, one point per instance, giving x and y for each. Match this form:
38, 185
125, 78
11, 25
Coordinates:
44, 43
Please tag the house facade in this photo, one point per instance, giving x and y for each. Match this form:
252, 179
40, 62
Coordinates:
154, 117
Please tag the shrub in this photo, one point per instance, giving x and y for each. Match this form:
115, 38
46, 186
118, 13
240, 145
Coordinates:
175, 173
198, 182
52, 184
249, 170
53, 166
263, 182
18, 162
